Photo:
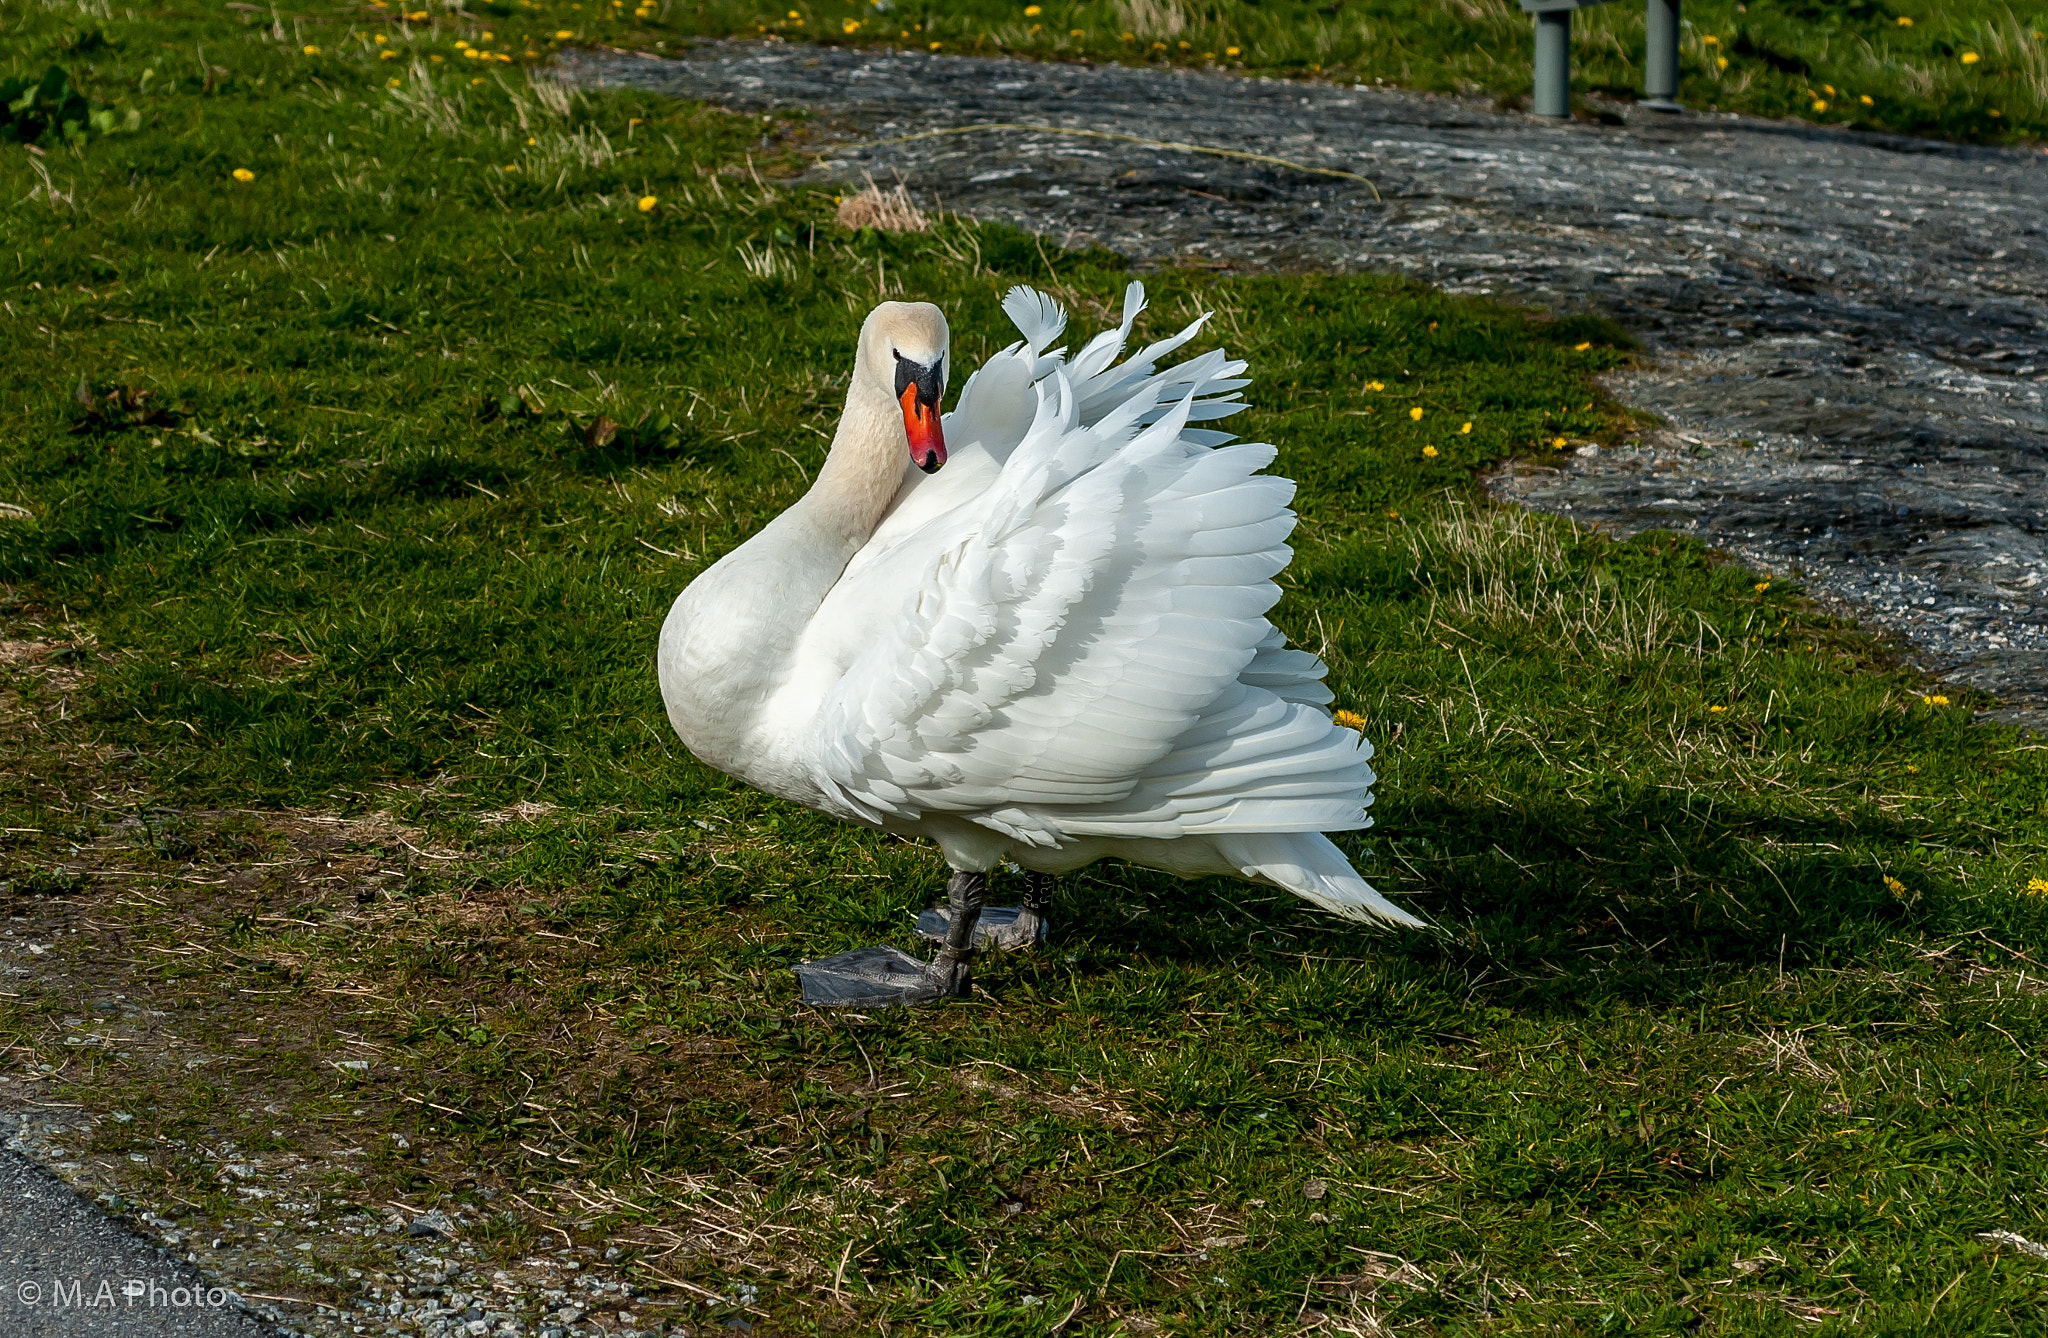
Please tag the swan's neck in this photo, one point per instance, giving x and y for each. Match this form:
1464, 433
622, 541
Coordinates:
861, 474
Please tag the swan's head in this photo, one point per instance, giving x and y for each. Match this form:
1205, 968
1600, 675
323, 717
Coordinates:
903, 352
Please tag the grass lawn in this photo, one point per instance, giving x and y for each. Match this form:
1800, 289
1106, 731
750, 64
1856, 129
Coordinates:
344, 503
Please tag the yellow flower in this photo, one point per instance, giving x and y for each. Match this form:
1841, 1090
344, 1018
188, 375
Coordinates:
1820, 104
380, 39
511, 167
1231, 51
1130, 37
849, 26
1467, 429
474, 82
529, 141
936, 45
1828, 89
2038, 886
533, 55
1032, 11
1936, 700
1557, 443
435, 59
461, 45
1720, 62
487, 37
647, 203
1374, 385
1905, 22
1969, 57
1429, 451
314, 51
417, 16
243, 174
1717, 709
1353, 720
1393, 515
1762, 586
1894, 886
387, 54
395, 83
1710, 40
1581, 348
1416, 413
1910, 767
793, 14
1868, 100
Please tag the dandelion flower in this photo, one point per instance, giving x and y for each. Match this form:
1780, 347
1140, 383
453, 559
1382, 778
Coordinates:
563, 35
1374, 385
1720, 62
1032, 11
474, 82
488, 37
849, 26
1894, 886
396, 83
1820, 104
936, 45
1393, 515
1710, 40
1867, 100
1761, 586
1231, 51
1416, 413
511, 167
529, 141
1828, 89
243, 174
387, 54
647, 203
793, 14
1353, 720
1936, 700
314, 51
1466, 430
380, 39
2038, 886
1717, 709
1969, 58
1910, 767
1429, 451
1557, 443
1581, 348
1905, 22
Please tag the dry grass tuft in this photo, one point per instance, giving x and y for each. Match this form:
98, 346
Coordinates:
889, 210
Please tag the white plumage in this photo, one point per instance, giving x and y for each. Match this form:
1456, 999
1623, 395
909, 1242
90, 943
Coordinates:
1051, 651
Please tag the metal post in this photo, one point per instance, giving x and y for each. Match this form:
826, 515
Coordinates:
1554, 63
1660, 58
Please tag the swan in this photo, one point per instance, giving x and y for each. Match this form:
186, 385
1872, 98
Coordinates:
1031, 630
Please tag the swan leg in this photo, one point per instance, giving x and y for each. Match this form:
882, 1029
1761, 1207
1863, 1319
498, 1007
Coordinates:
1003, 928
882, 977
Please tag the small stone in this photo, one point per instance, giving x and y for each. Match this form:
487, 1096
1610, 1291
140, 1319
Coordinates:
432, 1223
1313, 1189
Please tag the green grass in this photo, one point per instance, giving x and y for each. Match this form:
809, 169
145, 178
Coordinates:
1735, 1020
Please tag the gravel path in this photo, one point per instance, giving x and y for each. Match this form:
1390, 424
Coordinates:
67, 1271
1852, 329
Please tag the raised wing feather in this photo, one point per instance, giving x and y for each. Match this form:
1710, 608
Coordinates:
1080, 619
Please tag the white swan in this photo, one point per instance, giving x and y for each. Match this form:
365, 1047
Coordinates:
1053, 651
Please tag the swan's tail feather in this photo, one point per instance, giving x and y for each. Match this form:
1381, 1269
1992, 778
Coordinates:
1309, 865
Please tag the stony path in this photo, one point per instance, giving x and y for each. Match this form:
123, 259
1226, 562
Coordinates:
1854, 329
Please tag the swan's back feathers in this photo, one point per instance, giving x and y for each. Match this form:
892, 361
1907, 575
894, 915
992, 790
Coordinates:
1079, 650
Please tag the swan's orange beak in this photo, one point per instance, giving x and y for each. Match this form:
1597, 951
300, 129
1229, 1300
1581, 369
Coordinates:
921, 425
918, 388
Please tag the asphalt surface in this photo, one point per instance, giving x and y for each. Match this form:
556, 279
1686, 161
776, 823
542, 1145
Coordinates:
67, 1270
1852, 329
